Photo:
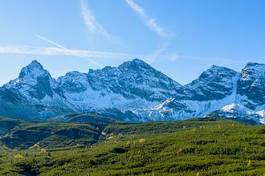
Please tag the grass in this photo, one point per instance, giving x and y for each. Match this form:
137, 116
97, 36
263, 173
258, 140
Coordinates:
51, 135
192, 148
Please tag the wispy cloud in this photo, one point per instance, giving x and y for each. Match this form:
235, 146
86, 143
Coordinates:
150, 22
30, 50
90, 21
47, 51
94, 56
50, 41
158, 53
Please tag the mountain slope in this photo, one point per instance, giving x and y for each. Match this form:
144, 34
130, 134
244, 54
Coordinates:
32, 95
135, 91
251, 85
116, 91
215, 88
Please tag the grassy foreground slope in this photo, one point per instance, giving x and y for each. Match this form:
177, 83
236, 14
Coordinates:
170, 148
17, 134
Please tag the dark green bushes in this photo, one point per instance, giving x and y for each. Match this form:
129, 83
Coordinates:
189, 148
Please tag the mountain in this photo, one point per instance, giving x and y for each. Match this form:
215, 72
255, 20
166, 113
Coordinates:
251, 86
213, 84
34, 94
250, 99
135, 91
214, 88
115, 91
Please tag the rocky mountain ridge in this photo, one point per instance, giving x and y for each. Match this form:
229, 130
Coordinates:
135, 91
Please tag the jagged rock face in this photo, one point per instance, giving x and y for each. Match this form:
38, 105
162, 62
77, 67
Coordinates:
13, 104
251, 85
134, 79
9, 96
74, 82
32, 72
120, 89
33, 81
213, 84
32, 95
134, 91
129, 87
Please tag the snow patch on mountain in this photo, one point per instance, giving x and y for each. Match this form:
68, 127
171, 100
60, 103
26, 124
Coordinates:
136, 91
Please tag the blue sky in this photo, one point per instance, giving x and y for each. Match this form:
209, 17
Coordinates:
181, 38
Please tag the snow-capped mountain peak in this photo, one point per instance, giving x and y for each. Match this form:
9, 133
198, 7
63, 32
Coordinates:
136, 91
73, 81
253, 70
134, 64
251, 85
214, 83
34, 69
33, 84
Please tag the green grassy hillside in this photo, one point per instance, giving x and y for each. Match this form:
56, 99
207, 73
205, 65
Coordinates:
164, 148
6, 125
49, 135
